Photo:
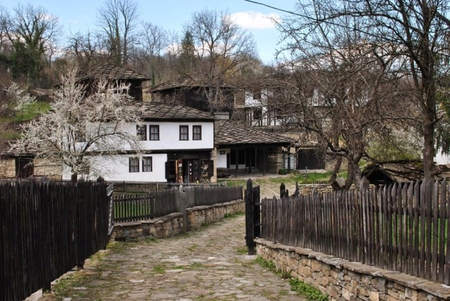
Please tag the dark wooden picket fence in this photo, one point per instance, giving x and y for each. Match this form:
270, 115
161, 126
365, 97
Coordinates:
136, 207
48, 228
210, 195
402, 228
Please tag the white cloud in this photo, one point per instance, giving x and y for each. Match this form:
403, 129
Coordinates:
255, 20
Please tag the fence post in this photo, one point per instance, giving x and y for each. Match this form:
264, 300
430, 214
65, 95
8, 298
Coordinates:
282, 190
249, 218
297, 190
109, 195
181, 204
256, 211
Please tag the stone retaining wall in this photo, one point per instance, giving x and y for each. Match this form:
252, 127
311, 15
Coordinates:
176, 223
344, 280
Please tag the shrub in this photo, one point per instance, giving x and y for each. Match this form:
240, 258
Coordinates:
283, 171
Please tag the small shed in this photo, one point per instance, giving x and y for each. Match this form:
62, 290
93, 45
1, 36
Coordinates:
386, 173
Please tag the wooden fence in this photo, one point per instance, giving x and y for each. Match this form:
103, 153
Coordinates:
402, 228
136, 207
209, 195
47, 229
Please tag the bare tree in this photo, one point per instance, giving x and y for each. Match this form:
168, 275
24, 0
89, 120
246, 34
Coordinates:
78, 126
345, 88
86, 48
118, 20
32, 34
414, 32
150, 50
222, 48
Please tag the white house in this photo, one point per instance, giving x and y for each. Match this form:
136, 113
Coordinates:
176, 146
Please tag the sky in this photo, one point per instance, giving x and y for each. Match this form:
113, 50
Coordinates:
81, 16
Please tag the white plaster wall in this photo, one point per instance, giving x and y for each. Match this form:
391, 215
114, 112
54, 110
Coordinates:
115, 168
441, 158
222, 159
169, 136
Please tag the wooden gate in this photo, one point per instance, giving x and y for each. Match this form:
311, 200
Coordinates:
252, 216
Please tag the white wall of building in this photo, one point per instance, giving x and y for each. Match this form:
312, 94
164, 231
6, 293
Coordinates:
222, 157
116, 168
441, 158
169, 136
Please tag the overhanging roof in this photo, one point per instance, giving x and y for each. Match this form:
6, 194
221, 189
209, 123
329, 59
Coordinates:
229, 133
110, 72
160, 111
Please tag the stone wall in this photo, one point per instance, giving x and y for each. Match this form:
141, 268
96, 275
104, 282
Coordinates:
344, 280
176, 223
7, 167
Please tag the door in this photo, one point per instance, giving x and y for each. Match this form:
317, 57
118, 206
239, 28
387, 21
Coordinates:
24, 167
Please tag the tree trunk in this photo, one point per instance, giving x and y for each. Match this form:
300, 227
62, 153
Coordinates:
336, 168
74, 177
428, 159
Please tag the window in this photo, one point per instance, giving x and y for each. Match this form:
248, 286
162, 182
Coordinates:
257, 113
141, 131
184, 132
133, 164
147, 165
154, 132
197, 132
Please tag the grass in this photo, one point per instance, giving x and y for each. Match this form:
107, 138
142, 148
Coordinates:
158, 269
242, 251
301, 288
234, 214
31, 111
311, 293
28, 112
291, 178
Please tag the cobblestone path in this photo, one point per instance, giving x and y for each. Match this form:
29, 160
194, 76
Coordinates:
207, 264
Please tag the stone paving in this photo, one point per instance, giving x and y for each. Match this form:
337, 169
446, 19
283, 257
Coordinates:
207, 264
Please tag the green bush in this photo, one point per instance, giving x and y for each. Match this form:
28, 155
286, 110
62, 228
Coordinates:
283, 171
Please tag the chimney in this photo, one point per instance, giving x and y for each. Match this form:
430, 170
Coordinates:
222, 115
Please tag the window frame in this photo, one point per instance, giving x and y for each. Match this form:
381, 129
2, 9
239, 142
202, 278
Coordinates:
145, 165
139, 128
133, 164
197, 135
151, 134
184, 136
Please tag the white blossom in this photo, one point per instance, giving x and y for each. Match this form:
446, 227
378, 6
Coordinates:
80, 125
20, 97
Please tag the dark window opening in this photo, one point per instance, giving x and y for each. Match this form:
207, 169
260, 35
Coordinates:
154, 132
141, 131
147, 164
184, 132
133, 164
197, 132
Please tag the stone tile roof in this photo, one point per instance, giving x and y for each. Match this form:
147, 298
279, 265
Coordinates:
402, 171
160, 111
109, 71
229, 132
188, 82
